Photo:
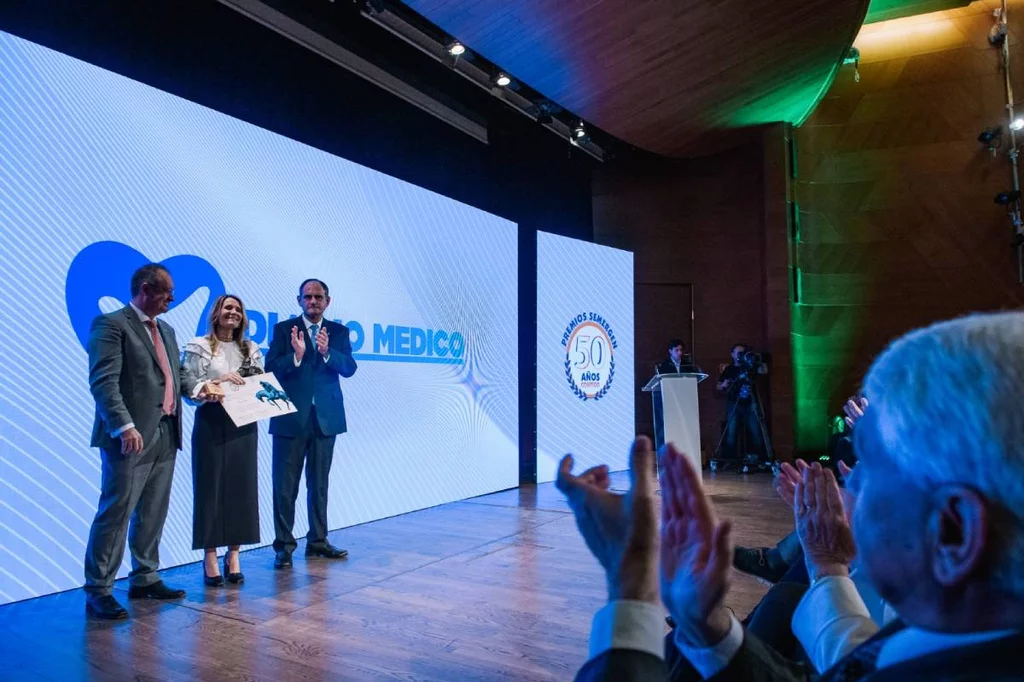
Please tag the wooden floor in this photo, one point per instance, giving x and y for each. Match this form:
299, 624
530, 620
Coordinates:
500, 587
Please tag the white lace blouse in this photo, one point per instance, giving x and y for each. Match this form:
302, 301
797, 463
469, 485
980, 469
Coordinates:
202, 365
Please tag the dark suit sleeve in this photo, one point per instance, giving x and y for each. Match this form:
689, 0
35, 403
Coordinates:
757, 662
105, 364
281, 357
339, 358
623, 665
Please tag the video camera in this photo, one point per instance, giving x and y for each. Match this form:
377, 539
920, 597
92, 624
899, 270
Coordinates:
751, 359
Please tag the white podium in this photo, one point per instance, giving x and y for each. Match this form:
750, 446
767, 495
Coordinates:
676, 414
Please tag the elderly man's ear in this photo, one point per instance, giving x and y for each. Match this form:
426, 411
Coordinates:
960, 524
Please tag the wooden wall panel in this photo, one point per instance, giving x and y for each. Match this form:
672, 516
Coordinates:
897, 227
704, 222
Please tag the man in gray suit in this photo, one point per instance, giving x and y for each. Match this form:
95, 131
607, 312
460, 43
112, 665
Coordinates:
135, 376
936, 527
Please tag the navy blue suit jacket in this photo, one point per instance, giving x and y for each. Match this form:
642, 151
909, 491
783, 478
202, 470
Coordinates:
312, 378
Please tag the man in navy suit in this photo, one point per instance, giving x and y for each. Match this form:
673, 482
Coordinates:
307, 355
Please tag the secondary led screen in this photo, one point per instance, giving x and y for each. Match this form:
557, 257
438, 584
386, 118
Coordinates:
585, 391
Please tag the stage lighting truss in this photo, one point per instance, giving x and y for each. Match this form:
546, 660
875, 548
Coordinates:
427, 38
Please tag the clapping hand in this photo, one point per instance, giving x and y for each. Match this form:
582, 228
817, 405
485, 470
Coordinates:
298, 343
620, 530
696, 555
854, 409
787, 478
322, 340
822, 524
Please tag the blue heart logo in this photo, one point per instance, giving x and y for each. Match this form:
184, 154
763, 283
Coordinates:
105, 269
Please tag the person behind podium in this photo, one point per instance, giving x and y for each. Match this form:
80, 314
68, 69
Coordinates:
307, 355
225, 485
678, 360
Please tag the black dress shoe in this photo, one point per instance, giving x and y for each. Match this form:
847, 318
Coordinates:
155, 591
233, 578
283, 559
757, 563
104, 606
326, 550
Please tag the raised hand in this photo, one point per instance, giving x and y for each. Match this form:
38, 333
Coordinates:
821, 524
787, 478
854, 409
620, 530
298, 343
322, 340
696, 554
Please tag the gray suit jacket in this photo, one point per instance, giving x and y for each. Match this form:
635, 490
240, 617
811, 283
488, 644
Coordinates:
125, 377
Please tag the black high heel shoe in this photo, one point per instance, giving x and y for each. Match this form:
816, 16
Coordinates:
233, 578
215, 581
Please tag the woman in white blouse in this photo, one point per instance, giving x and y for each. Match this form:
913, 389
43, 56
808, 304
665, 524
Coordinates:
224, 467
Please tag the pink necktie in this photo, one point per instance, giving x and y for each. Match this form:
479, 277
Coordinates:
161, 356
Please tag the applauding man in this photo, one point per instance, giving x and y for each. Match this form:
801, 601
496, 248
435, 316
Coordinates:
307, 355
936, 535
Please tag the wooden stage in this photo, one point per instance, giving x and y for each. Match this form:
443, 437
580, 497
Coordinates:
500, 587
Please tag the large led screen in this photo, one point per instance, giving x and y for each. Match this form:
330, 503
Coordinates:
100, 174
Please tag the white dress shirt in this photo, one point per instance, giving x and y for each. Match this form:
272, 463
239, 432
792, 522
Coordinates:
307, 323
640, 626
836, 615
144, 318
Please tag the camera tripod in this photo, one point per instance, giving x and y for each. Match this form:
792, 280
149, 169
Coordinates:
744, 463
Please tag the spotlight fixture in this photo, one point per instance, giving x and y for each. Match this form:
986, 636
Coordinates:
1008, 197
1017, 123
578, 131
456, 49
502, 80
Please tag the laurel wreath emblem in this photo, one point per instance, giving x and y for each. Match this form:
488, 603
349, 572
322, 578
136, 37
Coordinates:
576, 389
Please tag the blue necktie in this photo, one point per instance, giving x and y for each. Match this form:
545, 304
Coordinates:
313, 329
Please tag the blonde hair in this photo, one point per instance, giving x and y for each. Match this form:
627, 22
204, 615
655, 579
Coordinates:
238, 334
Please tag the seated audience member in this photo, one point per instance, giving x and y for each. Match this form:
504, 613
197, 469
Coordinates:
824, 629
770, 564
935, 517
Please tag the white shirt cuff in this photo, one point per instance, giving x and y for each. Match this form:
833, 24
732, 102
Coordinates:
628, 624
710, 661
118, 432
296, 360
832, 620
